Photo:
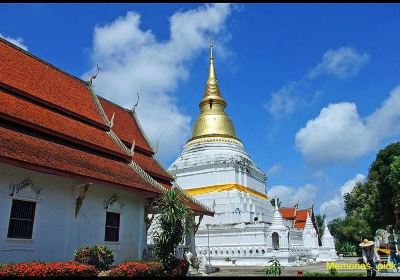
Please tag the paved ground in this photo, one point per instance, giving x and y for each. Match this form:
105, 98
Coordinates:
288, 271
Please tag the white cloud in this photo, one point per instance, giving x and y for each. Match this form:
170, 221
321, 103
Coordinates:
339, 134
334, 208
343, 62
283, 102
290, 195
18, 41
274, 169
133, 60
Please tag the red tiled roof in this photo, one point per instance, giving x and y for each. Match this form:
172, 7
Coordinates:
127, 129
45, 106
288, 213
301, 215
198, 209
49, 157
125, 125
299, 225
151, 166
13, 107
41, 81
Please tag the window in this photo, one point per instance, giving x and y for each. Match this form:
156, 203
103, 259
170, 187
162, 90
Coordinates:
112, 227
21, 219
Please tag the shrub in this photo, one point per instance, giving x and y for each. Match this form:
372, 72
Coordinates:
155, 268
275, 268
99, 256
39, 269
332, 271
347, 247
181, 268
130, 269
137, 269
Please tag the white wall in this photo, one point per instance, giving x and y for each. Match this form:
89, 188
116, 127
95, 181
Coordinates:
56, 231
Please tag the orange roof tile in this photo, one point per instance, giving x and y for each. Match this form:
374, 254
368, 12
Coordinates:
288, 213
299, 225
18, 109
301, 215
125, 125
151, 166
32, 152
41, 81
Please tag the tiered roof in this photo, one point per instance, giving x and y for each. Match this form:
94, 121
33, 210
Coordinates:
52, 122
126, 127
298, 217
288, 213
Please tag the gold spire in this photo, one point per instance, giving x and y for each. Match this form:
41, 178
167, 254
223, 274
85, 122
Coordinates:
213, 121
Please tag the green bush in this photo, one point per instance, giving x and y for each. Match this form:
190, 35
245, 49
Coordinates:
100, 257
275, 268
346, 247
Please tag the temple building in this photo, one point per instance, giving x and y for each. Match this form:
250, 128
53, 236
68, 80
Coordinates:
215, 168
75, 168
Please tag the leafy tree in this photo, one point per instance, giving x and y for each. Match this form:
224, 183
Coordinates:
173, 221
351, 230
380, 174
346, 247
370, 205
362, 202
394, 178
320, 220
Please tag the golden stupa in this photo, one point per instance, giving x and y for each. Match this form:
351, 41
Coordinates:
213, 121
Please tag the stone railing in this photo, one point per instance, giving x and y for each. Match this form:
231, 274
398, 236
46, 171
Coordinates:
232, 251
179, 251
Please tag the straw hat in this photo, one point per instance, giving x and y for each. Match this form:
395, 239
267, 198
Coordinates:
366, 243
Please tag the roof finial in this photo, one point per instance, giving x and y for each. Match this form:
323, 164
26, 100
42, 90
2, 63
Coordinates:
211, 47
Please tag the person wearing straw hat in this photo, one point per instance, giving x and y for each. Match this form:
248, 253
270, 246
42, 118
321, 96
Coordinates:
370, 256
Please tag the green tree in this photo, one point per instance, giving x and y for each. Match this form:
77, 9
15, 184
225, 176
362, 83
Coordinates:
394, 178
380, 174
351, 230
370, 205
174, 219
362, 202
320, 220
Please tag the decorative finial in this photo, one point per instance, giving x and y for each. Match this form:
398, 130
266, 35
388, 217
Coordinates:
211, 47
134, 107
90, 82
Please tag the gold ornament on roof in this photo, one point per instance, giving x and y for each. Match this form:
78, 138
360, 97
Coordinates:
213, 121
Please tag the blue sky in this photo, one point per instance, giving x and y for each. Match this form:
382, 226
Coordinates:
312, 89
